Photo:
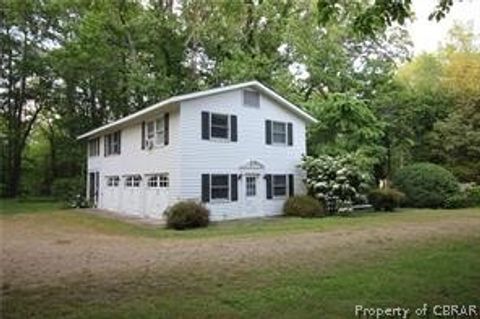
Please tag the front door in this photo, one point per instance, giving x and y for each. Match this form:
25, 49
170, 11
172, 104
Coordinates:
251, 197
93, 185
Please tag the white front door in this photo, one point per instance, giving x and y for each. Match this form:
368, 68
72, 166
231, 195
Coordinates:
251, 199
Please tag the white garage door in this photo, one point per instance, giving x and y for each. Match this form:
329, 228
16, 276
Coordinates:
132, 196
111, 193
156, 195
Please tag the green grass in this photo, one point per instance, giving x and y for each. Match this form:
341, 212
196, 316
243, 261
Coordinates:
444, 272
51, 212
439, 270
29, 205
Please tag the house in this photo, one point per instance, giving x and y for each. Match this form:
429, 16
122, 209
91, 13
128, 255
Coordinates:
235, 148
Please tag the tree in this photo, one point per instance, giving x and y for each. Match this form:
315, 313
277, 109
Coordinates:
377, 15
25, 30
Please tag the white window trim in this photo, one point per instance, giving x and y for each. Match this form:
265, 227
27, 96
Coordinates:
113, 181
132, 179
162, 180
286, 133
220, 200
273, 187
96, 143
110, 138
229, 129
156, 131
254, 188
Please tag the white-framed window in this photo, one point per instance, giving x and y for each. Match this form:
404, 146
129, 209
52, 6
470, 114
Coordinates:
219, 187
279, 132
113, 181
133, 180
158, 181
112, 143
251, 98
155, 131
220, 127
94, 147
279, 185
250, 186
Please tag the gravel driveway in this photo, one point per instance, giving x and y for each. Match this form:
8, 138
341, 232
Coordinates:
37, 254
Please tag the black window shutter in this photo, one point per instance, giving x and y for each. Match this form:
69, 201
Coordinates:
268, 132
234, 187
143, 135
105, 145
166, 124
233, 124
119, 142
291, 185
290, 133
205, 188
205, 126
268, 182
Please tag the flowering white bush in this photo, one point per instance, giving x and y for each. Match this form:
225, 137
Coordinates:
338, 181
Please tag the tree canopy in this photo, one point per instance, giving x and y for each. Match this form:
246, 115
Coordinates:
71, 65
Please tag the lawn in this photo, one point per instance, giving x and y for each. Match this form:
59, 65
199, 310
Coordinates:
282, 267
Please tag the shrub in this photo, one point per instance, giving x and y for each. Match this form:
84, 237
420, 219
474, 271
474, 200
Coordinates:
71, 190
337, 181
303, 206
385, 199
469, 197
426, 185
460, 200
473, 194
187, 214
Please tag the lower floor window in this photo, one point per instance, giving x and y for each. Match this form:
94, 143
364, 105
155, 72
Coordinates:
251, 185
219, 186
113, 181
158, 180
133, 181
279, 185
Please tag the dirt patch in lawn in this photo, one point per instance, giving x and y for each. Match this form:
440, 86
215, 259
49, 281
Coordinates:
36, 254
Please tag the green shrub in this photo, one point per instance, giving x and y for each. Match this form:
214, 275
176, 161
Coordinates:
70, 190
303, 206
385, 199
426, 185
460, 200
187, 214
473, 195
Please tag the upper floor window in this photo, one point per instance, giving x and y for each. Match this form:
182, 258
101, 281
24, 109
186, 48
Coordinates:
279, 132
94, 147
155, 134
112, 143
251, 98
219, 126
113, 181
133, 181
158, 180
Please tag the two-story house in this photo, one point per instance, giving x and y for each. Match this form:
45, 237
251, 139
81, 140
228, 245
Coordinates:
235, 148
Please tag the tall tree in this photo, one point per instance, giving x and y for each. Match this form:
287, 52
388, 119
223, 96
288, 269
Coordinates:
26, 30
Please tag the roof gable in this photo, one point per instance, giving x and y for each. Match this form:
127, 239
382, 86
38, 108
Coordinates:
189, 96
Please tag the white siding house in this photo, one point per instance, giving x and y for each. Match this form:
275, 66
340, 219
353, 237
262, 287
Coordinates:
234, 148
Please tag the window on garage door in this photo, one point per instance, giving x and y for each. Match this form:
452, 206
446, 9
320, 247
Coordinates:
133, 181
113, 181
158, 181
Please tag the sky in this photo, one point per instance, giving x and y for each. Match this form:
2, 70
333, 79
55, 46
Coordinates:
427, 35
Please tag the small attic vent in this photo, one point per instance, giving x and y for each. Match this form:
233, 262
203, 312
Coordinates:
251, 98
